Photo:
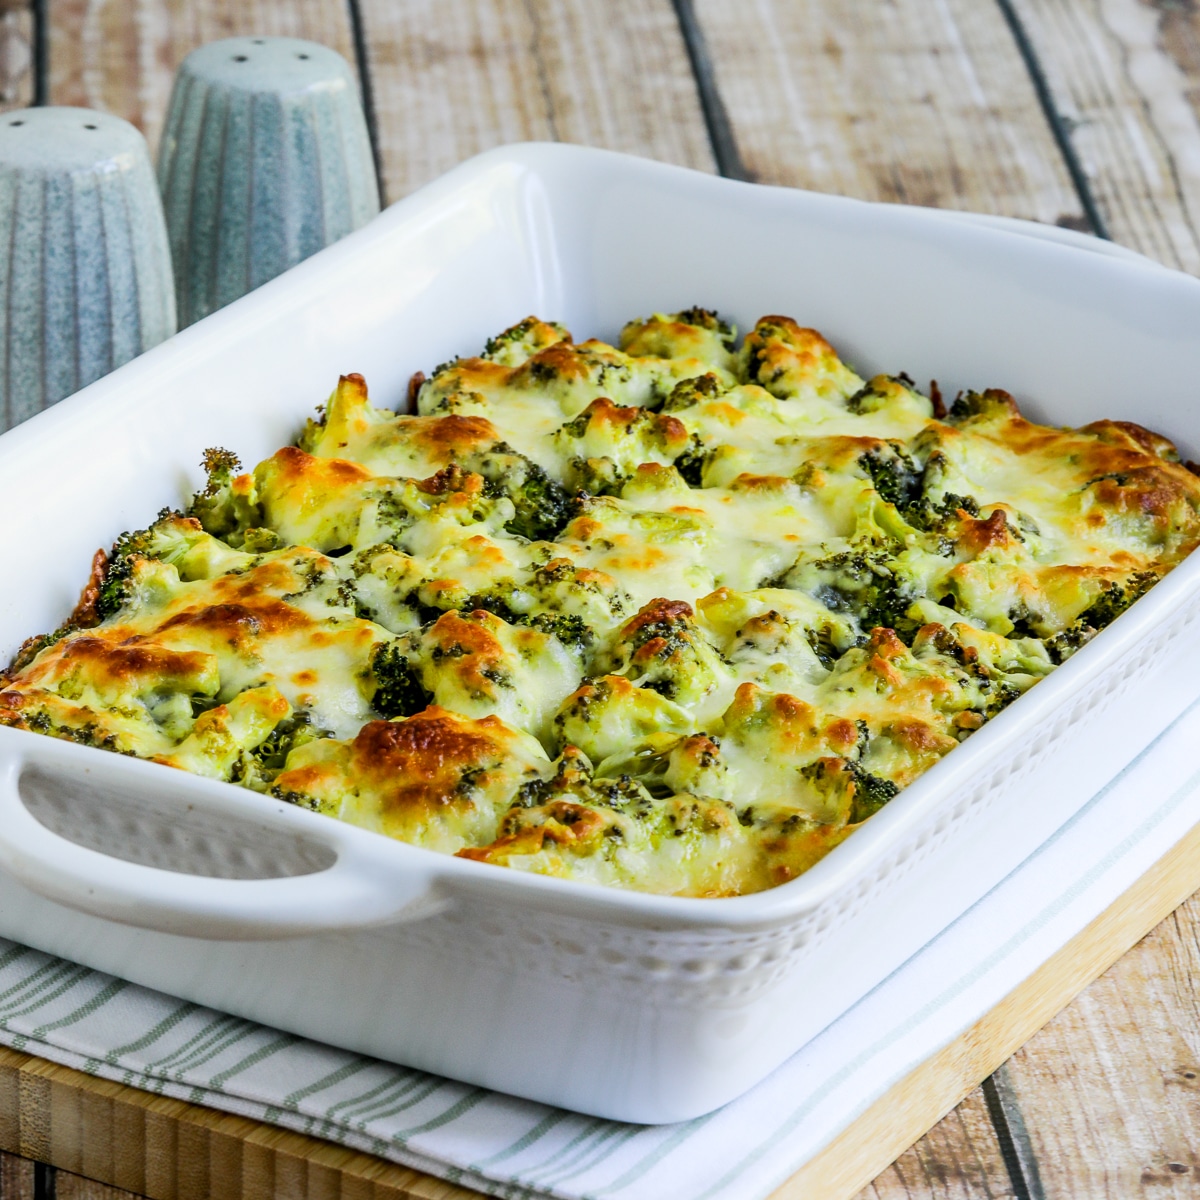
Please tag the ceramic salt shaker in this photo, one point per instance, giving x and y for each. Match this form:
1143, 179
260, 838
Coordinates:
85, 276
265, 159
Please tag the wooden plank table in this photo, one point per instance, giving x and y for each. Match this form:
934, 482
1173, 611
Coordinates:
1083, 113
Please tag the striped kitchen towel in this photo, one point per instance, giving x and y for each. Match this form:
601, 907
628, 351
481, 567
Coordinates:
515, 1148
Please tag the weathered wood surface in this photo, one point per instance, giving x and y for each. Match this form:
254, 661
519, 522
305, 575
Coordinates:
18, 1182
16, 1178
917, 101
16, 55
168, 1149
76, 1187
1110, 1089
913, 101
958, 1159
121, 57
1125, 75
454, 77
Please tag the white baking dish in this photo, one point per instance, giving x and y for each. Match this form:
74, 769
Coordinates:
630, 1006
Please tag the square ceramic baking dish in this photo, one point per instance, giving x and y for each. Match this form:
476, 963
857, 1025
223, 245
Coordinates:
630, 1006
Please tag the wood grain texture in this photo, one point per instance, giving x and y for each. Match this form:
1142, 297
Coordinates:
120, 55
76, 1187
914, 101
1110, 1089
16, 56
1125, 74
170, 1150
958, 1159
16, 1178
454, 77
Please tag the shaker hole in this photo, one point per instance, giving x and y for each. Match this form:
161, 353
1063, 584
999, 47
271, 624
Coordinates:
301, 55
16, 122
89, 127
259, 41
239, 58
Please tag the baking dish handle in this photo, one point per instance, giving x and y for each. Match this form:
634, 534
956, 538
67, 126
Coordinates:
358, 890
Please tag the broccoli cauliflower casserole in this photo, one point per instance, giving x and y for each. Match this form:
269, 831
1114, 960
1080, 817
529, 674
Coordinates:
676, 616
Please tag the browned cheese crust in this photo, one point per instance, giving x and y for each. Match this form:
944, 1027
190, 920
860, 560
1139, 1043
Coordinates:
673, 614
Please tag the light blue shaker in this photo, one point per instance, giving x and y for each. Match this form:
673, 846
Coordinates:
265, 159
85, 272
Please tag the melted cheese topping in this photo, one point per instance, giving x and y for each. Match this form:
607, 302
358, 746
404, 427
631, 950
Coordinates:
673, 615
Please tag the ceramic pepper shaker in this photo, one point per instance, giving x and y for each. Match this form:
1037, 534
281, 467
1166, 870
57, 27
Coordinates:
265, 159
85, 273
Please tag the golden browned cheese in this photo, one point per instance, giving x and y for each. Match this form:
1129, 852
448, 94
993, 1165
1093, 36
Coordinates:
436, 779
674, 614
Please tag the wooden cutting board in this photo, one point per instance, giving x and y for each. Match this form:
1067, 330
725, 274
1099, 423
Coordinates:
171, 1150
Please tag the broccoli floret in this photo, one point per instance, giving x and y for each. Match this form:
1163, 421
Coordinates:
888, 603
895, 476
847, 788
1111, 603
874, 394
448, 365
489, 602
669, 624
833, 778
688, 392
575, 780
118, 573
516, 333
159, 541
399, 691
569, 628
270, 757
1062, 645
966, 404
861, 401
821, 640
212, 506
898, 480
1117, 598
543, 506
521, 342
952, 502
1002, 695
219, 465
871, 793
940, 517
597, 476
118, 578
992, 403
260, 541
691, 463
859, 582
705, 318
28, 650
